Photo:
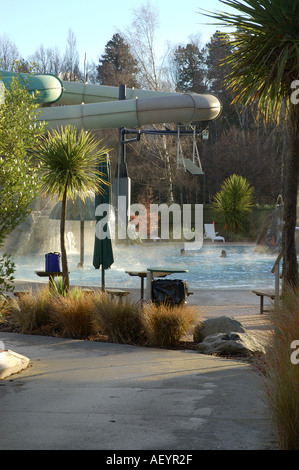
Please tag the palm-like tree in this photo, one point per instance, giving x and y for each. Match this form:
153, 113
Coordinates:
263, 68
234, 203
68, 169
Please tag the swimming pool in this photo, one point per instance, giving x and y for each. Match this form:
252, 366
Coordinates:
242, 268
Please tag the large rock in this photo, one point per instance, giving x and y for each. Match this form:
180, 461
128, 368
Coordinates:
231, 343
11, 363
212, 326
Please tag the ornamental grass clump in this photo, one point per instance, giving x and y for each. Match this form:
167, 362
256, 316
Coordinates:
72, 315
4, 306
120, 321
282, 371
165, 324
32, 311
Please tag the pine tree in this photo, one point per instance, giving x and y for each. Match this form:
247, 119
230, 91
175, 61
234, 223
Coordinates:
117, 66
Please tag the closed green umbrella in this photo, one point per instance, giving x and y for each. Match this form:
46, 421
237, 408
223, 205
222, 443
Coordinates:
103, 252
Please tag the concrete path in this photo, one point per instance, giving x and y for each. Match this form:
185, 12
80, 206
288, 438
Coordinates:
92, 395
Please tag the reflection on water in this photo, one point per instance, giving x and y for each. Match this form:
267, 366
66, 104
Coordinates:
242, 268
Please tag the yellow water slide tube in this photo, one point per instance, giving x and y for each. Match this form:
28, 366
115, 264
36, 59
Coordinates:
93, 107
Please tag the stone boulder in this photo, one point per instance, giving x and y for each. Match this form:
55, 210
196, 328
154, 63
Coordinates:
230, 343
212, 326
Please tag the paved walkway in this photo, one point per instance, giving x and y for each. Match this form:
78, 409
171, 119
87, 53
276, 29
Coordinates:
92, 395
257, 325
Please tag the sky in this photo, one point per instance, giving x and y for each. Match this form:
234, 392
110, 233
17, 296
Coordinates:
32, 23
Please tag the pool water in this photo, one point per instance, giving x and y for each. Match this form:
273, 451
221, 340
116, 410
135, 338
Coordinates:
242, 268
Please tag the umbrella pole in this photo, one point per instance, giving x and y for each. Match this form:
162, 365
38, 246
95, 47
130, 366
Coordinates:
103, 279
82, 243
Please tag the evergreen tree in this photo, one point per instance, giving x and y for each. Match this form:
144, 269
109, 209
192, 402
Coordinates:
189, 64
117, 66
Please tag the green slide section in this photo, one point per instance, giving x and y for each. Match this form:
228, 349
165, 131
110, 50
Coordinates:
46, 87
93, 107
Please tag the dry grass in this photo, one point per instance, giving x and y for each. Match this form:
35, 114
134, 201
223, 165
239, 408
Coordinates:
282, 375
72, 315
165, 324
80, 315
4, 306
31, 312
120, 321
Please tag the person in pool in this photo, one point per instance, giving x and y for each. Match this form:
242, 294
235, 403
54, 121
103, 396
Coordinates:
223, 254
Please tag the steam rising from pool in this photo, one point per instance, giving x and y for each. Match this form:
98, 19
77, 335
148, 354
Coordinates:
243, 268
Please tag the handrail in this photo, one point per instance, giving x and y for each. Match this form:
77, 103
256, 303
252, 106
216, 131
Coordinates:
278, 259
275, 270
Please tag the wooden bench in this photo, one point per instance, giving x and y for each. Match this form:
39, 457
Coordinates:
117, 293
262, 294
113, 292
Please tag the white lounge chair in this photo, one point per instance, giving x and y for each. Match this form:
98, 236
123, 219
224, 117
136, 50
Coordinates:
210, 233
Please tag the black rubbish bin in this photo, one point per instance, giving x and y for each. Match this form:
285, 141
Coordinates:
171, 291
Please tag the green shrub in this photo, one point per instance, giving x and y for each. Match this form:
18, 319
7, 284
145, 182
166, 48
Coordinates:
59, 286
165, 325
120, 321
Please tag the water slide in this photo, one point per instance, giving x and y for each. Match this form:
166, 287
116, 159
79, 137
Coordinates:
98, 107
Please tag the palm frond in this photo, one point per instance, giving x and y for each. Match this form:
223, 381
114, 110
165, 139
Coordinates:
265, 58
69, 160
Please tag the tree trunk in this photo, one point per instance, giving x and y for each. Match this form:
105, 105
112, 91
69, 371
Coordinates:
290, 267
170, 197
65, 271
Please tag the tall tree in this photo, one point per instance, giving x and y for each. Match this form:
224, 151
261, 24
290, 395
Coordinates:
215, 52
190, 73
264, 68
47, 60
19, 129
117, 66
71, 69
141, 36
8, 53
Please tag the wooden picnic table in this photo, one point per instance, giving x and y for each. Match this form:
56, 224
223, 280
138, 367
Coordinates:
142, 275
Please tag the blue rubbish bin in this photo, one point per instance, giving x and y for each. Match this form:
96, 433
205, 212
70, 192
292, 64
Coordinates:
52, 262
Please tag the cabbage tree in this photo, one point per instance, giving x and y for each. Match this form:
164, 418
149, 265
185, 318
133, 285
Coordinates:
68, 169
233, 203
264, 71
